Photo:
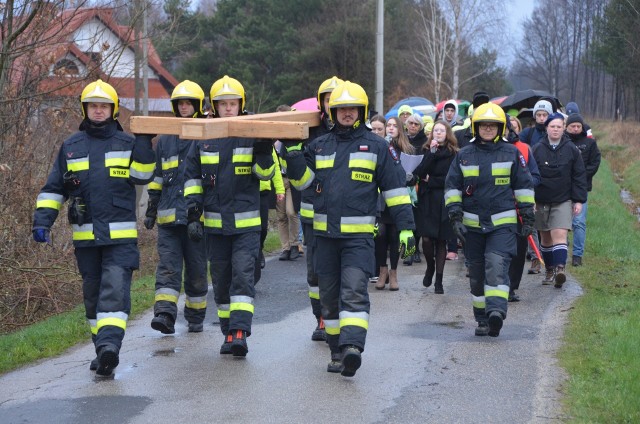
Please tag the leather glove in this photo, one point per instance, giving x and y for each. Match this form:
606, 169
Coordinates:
41, 235
407, 244
149, 222
455, 218
195, 231
262, 147
528, 221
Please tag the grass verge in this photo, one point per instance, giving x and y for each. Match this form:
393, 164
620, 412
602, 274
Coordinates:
602, 338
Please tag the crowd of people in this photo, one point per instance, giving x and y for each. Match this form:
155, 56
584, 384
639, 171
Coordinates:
484, 187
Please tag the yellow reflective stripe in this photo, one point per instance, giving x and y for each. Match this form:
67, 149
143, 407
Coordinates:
524, 195
319, 222
118, 230
264, 174
116, 162
357, 319
81, 164
213, 220
506, 217
323, 162
198, 302
166, 215
241, 306
209, 158
478, 302
357, 224
363, 160
142, 170
116, 319
169, 163
49, 200
247, 219
501, 168
193, 187
306, 210
470, 170
471, 220
332, 327
156, 184
83, 232
499, 291
242, 154
93, 326
314, 292
452, 196
395, 197
305, 181
223, 311
167, 294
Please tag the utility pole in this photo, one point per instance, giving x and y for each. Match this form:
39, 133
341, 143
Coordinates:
380, 58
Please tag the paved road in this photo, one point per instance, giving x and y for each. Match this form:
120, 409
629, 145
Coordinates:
422, 364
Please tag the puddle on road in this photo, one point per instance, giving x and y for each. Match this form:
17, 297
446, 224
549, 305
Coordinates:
165, 352
451, 324
628, 200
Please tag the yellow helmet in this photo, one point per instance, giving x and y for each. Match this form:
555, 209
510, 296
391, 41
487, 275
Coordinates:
489, 112
327, 87
99, 92
348, 94
226, 88
188, 90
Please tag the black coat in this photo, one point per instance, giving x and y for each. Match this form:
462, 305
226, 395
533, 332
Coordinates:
562, 173
590, 154
432, 219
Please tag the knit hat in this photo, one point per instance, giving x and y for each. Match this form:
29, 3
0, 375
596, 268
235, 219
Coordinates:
544, 106
427, 119
428, 127
405, 109
572, 108
480, 98
513, 112
575, 117
551, 117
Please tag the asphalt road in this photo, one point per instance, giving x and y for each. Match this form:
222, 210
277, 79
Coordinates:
422, 363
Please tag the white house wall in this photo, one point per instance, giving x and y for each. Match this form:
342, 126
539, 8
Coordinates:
117, 61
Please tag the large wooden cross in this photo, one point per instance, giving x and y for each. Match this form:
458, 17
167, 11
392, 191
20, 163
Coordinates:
292, 125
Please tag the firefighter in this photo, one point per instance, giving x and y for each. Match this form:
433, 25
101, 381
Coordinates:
222, 183
167, 207
479, 194
306, 208
97, 169
346, 167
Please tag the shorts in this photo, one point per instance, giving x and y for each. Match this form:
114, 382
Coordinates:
553, 216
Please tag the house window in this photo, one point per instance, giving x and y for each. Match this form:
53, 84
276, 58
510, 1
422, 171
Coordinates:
65, 67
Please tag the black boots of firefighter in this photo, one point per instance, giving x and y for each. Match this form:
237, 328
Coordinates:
495, 323
236, 342
319, 334
335, 365
351, 361
108, 360
163, 323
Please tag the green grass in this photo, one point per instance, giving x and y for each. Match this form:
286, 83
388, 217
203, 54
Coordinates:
602, 339
56, 334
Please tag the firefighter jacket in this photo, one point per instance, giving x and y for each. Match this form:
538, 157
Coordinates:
306, 204
222, 179
487, 181
167, 188
563, 176
345, 170
107, 163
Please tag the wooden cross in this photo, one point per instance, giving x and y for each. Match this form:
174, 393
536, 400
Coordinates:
292, 125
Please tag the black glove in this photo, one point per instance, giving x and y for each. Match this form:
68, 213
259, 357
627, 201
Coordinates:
528, 221
149, 222
195, 231
71, 181
455, 218
193, 214
41, 235
145, 139
262, 147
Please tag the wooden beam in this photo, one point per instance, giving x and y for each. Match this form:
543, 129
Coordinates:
284, 125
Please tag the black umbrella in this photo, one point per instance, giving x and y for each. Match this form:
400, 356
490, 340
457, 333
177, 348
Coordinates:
528, 99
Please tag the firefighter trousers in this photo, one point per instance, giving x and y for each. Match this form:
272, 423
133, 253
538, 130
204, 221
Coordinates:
106, 287
177, 252
344, 267
489, 256
233, 261
312, 277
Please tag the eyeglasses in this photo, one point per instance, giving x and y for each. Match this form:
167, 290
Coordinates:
487, 126
413, 123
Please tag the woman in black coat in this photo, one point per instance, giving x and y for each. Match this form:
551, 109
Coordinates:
433, 222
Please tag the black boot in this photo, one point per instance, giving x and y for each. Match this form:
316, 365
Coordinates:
163, 323
438, 289
108, 360
351, 361
239, 343
428, 274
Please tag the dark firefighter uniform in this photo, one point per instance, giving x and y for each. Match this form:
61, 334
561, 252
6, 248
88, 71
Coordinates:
98, 169
168, 206
306, 211
484, 185
345, 169
222, 180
